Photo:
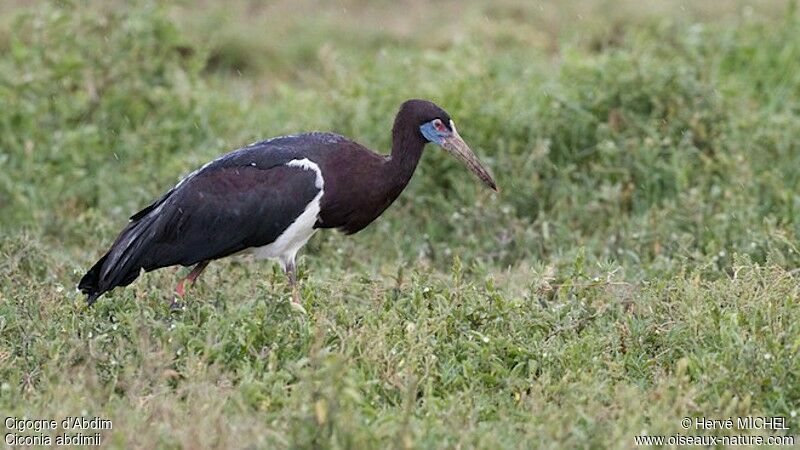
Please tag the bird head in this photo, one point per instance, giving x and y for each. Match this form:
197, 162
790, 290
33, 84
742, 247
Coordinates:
437, 127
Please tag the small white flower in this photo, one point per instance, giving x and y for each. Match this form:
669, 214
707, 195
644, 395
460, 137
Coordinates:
767, 356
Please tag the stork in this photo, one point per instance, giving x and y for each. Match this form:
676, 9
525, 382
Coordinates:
268, 199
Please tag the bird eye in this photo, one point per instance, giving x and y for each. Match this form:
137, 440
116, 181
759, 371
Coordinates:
438, 125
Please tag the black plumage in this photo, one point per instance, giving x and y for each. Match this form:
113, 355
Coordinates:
248, 198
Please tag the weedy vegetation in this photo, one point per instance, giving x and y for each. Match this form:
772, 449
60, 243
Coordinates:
639, 266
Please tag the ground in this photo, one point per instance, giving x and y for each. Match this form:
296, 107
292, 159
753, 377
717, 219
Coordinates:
639, 266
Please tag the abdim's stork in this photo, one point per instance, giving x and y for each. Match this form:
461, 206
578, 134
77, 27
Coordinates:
269, 198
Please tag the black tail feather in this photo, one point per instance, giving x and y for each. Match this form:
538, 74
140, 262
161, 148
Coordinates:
90, 283
121, 265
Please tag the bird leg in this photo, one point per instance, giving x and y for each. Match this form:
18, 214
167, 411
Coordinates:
198, 269
291, 273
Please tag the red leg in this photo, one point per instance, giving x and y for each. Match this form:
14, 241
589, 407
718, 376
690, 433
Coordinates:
198, 269
179, 288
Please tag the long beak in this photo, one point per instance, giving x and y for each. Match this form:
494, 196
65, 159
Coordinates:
458, 148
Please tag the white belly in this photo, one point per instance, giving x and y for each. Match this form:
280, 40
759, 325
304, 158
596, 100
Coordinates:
300, 231
287, 245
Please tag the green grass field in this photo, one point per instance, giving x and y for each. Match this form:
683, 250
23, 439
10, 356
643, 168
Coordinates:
639, 266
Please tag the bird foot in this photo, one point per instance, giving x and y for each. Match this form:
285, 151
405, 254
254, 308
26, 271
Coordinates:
296, 302
299, 308
176, 305
180, 291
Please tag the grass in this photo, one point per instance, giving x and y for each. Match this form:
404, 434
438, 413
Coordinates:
640, 265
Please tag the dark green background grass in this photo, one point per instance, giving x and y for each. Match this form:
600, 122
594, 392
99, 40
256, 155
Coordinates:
639, 266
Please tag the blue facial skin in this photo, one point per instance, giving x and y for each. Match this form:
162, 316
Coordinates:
430, 133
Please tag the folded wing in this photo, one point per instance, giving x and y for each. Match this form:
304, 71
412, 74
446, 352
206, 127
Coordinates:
212, 214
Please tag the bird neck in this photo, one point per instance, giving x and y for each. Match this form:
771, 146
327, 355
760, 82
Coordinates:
407, 145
